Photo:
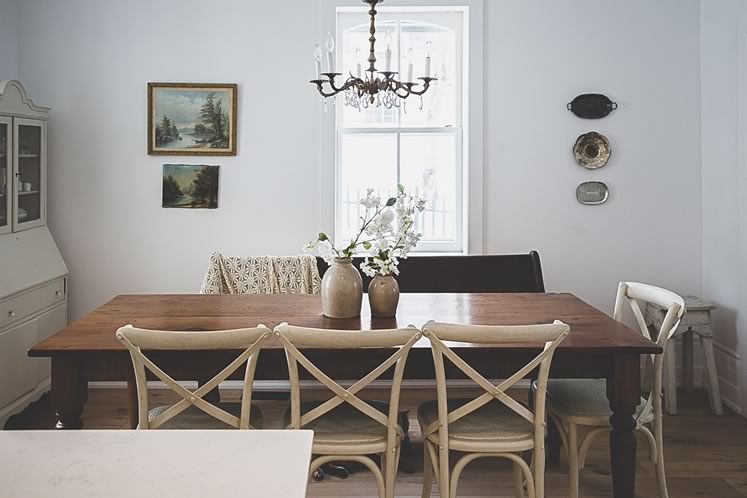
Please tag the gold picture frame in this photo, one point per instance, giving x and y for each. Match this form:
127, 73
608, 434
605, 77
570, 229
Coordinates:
192, 119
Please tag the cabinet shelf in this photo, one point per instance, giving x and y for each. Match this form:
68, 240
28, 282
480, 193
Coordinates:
28, 156
29, 193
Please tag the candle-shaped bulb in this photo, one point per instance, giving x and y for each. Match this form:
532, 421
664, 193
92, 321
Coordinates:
428, 46
409, 66
388, 52
330, 42
358, 71
330, 53
318, 60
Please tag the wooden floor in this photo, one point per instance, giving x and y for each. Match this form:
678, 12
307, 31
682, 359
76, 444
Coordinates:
706, 456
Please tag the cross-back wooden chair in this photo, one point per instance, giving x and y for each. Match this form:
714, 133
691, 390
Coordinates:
583, 402
346, 427
193, 412
493, 424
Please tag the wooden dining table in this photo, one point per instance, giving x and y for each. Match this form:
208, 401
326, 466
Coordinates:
597, 347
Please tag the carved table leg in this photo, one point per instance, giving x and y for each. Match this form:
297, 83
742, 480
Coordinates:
69, 391
623, 394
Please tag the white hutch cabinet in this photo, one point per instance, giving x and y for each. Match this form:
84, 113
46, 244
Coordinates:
33, 276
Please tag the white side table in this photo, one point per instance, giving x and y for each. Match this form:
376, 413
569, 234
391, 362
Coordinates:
697, 320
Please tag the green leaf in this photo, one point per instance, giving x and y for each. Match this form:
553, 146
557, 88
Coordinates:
323, 236
401, 188
391, 202
367, 245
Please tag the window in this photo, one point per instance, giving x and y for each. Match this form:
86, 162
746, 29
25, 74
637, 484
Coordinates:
420, 143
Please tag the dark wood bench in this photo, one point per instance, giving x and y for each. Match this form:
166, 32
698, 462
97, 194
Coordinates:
493, 273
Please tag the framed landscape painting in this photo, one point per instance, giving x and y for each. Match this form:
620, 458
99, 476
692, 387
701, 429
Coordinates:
192, 119
190, 186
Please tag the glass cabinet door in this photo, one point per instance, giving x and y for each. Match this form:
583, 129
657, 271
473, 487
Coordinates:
6, 173
29, 182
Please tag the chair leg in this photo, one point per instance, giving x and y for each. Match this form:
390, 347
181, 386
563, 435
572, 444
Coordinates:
710, 376
427, 472
518, 481
572, 460
661, 478
390, 472
670, 380
553, 442
443, 471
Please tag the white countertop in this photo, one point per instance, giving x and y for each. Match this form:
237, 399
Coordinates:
158, 464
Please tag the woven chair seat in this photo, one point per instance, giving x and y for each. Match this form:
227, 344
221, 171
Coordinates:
344, 425
194, 418
583, 401
490, 428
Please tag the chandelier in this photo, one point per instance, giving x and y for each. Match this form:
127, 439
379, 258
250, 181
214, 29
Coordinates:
374, 88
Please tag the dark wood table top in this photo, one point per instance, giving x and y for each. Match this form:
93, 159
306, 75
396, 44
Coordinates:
591, 330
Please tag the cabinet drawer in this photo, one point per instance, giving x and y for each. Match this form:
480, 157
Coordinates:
27, 304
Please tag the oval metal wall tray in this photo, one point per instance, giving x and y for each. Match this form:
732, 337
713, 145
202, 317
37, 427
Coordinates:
592, 193
591, 106
592, 150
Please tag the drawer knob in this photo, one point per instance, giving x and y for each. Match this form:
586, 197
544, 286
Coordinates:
58, 293
11, 313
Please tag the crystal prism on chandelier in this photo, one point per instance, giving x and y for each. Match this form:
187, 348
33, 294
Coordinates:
372, 87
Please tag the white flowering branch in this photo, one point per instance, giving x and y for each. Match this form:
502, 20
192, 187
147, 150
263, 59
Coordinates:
385, 240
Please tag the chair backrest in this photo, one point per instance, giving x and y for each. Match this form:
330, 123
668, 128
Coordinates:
636, 294
547, 336
136, 340
293, 338
261, 275
495, 273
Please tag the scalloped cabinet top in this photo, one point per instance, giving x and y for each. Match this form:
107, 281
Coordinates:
15, 102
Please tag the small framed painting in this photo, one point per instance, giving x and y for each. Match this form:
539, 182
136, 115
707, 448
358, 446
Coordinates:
192, 119
190, 186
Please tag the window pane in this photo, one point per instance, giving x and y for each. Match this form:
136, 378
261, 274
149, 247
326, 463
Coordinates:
440, 101
429, 169
366, 161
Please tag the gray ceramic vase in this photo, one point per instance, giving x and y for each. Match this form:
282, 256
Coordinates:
383, 296
342, 290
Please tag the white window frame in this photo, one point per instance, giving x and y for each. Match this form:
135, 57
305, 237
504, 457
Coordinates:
470, 141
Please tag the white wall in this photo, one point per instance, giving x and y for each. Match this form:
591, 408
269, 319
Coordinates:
722, 33
8, 40
644, 55
91, 61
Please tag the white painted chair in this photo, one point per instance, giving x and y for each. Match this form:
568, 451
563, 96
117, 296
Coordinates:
493, 424
193, 412
345, 426
574, 403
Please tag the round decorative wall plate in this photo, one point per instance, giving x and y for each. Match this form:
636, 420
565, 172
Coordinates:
592, 193
592, 150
